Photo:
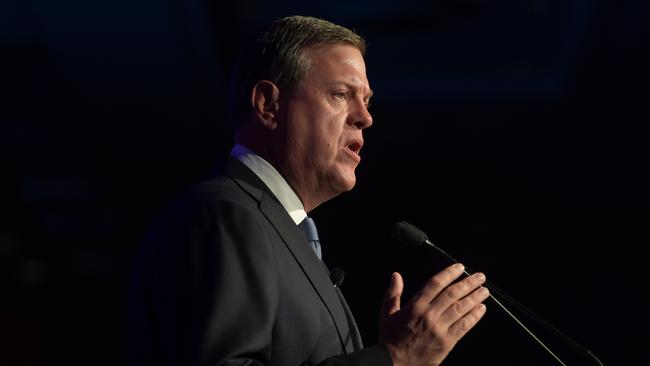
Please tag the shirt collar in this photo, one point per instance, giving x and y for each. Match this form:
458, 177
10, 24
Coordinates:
273, 180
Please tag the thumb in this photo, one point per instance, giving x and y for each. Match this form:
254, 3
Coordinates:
392, 299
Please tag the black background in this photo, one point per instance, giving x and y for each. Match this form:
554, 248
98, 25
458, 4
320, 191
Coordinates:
512, 132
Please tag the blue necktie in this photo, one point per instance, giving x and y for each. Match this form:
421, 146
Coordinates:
309, 228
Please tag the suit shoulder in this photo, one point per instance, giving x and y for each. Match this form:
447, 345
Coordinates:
223, 189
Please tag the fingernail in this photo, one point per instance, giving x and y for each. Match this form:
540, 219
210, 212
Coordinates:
484, 291
459, 267
479, 276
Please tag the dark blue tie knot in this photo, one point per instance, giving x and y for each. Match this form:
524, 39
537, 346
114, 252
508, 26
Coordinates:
309, 227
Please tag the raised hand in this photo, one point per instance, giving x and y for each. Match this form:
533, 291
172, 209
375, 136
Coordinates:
424, 331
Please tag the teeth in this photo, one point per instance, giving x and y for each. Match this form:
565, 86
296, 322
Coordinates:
354, 147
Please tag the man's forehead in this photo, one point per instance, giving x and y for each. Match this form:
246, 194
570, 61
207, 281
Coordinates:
354, 62
338, 55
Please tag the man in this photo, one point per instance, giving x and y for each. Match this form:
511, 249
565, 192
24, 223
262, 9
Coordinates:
230, 278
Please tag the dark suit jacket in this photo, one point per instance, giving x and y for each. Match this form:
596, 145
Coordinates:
227, 278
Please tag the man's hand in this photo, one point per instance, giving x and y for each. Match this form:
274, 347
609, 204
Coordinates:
425, 330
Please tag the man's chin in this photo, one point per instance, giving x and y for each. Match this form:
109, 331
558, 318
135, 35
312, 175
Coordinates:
345, 183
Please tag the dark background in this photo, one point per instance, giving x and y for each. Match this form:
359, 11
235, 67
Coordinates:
513, 132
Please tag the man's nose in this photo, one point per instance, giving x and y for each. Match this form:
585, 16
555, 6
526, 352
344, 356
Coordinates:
361, 118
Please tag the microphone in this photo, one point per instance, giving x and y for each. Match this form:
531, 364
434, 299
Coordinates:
337, 276
412, 236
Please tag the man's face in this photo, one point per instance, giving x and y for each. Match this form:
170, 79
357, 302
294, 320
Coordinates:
324, 118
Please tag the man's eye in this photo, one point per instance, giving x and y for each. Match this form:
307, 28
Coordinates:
342, 95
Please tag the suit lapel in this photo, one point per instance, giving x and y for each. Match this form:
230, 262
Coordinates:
297, 244
313, 268
355, 337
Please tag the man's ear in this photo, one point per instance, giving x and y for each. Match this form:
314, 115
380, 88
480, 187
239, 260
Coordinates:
265, 102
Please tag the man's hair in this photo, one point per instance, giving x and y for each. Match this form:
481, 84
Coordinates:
277, 55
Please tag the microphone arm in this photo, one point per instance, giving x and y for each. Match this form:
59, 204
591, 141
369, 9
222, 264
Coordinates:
411, 235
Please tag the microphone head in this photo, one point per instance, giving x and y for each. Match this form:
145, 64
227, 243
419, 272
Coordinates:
409, 234
337, 275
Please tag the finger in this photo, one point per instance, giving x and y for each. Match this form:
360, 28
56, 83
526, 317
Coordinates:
461, 307
437, 284
455, 292
393, 296
467, 322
